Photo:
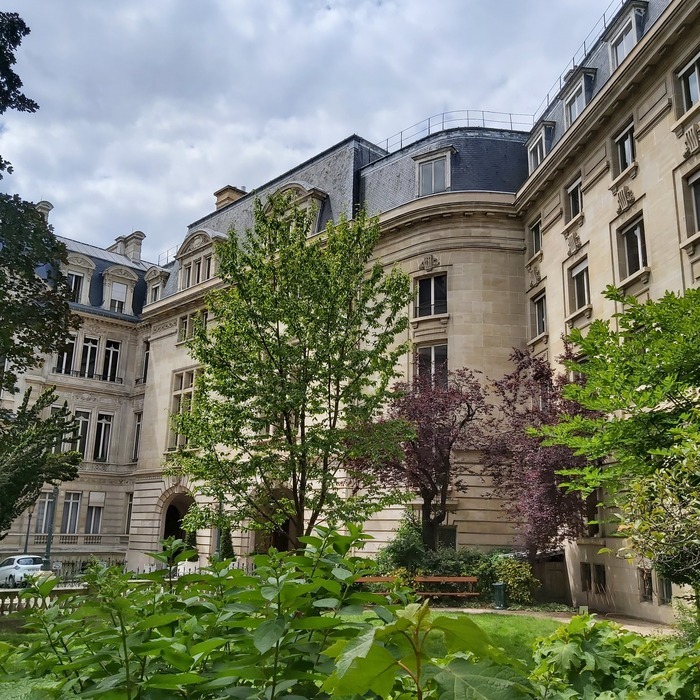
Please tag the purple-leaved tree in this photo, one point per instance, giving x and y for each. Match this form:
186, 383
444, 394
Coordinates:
525, 473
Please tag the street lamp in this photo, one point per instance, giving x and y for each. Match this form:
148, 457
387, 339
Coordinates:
30, 512
46, 566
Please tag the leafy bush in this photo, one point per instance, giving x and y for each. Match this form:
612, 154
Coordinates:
592, 659
407, 552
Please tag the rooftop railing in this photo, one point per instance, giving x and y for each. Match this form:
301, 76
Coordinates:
588, 43
451, 120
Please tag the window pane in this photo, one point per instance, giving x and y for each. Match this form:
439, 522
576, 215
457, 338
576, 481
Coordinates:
118, 291
439, 175
696, 203
440, 294
426, 178
424, 300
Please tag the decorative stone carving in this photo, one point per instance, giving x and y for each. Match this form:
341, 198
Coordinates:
692, 140
164, 326
534, 275
625, 199
429, 262
573, 241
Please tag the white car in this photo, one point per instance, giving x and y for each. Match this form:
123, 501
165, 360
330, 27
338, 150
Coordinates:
15, 568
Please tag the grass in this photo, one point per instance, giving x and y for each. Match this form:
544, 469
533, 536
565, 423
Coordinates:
515, 634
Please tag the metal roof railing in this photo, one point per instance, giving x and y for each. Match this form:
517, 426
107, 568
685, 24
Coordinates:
461, 118
588, 43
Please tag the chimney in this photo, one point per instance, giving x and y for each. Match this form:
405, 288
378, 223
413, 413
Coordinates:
228, 195
117, 246
132, 245
44, 208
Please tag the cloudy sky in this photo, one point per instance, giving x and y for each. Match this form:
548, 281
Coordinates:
149, 106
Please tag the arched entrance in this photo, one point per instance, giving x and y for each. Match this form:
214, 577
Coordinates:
174, 512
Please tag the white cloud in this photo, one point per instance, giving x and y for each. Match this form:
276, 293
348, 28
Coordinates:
148, 107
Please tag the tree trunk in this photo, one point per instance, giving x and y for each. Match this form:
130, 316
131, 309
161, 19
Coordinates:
428, 526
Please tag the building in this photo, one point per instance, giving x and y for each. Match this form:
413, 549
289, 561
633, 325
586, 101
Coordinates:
510, 233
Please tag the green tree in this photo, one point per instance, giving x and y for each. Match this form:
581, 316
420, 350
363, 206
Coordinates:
642, 378
294, 369
35, 318
27, 460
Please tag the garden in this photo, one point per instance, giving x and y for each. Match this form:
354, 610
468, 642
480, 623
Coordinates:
299, 627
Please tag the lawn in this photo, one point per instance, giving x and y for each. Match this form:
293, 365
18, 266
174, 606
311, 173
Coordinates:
515, 633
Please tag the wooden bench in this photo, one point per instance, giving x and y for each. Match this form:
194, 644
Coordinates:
430, 584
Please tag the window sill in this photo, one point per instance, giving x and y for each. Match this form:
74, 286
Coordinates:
537, 257
541, 338
586, 311
690, 244
572, 224
679, 127
641, 275
628, 173
441, 318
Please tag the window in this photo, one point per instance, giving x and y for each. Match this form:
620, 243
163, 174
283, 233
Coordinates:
622, 44
129, 512
197, 271
93, 520
208, 267
599, 582
186, 276
186, 324
155, 293
646, 585
88, 360
574, 104
64, 359
447, 537
183, 394
117, 299
432, 176
71, 512
432, 364
665, 591
138, 420
625, 149
586, 577
83, 420
536, 152
539, 315
574, 198
43, 512
111, 363
578, 279
75, 282
536, 237
432, 295
103, 433
634, 249
689, 77
57, 446
694, 187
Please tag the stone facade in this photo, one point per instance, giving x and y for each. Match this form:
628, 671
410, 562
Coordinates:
527, 228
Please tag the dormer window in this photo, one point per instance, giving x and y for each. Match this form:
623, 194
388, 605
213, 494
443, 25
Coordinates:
197, 263
580, 92
625, 33
536, 152
78, 275
575, 103
155, 279
539, 144
117, 298
433, 172
118, 289
75, 282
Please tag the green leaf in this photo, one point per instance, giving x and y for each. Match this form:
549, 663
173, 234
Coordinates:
153, 621
375, 671
171, 681
268, 634
464, 680
207, 646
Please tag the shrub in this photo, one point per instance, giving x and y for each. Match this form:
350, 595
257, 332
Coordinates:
225, 544
592, 659
406, 550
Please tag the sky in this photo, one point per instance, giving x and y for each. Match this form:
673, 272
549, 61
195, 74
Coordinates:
147, 107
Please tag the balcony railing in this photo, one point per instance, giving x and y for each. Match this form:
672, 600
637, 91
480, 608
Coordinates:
83, 540
86, 375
